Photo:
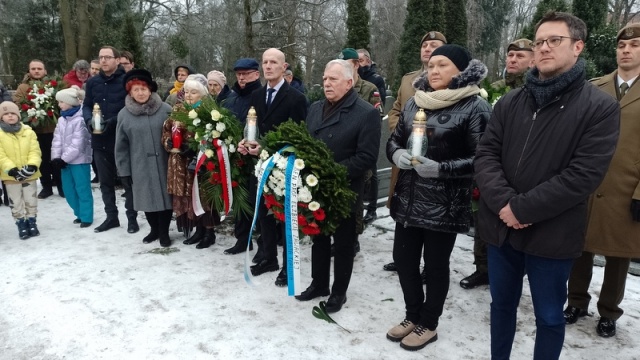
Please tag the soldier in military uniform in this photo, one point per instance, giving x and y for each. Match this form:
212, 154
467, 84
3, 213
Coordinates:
430, 41
519, 60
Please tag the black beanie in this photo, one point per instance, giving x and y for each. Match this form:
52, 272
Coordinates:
456, 53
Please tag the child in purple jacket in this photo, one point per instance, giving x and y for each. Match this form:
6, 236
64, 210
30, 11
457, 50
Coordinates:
71, 152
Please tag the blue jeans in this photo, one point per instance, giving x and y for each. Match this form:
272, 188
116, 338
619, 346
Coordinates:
548, 285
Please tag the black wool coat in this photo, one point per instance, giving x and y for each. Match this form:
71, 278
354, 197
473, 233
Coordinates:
352, 133
288, 103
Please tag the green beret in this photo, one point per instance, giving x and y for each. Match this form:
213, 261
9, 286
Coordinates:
630, 31
348, 54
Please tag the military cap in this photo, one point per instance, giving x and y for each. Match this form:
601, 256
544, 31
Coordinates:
521, 45
630, 31
348, 54
433, 35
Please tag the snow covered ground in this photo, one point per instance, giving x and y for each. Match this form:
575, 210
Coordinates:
74, 294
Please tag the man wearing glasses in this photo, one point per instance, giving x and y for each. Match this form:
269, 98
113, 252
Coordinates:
545, 150
106, 90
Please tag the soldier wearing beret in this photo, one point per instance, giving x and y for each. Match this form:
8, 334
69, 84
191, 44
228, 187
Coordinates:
613, 227
519, 60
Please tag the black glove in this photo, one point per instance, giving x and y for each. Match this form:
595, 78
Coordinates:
15, 172
58, 163
170, 143
635, 210
28, 170
126, 181
186, 151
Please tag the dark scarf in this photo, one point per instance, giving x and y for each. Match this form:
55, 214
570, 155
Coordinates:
12, 129
70, 112
248, 88
545, 90
149, 108
328, 109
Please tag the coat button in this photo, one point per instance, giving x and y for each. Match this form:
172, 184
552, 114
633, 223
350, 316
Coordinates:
330, 135
598, 195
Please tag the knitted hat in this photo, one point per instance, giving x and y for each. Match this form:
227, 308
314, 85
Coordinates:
246, 64
456, 53
348, 54
218, 77
521, 45
142, 75
433, 35
630, 31
8, 107
70, 96
189, 69
197, 81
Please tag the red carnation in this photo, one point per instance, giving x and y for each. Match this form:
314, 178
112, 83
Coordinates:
319, 214
25, 107
53, 83
303, 205
240, 162
210, 166
302, 220
216, 177
234, 183
278, 215
40, 91
475, 195
30, 97
310, 230
49, 113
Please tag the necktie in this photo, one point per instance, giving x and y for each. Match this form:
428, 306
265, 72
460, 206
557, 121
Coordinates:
270, 96
623, 89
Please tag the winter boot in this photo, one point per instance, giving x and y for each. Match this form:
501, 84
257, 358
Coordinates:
197, 236
33, 228
209, 239
23, 229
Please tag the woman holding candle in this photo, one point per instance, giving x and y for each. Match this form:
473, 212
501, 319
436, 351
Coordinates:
432, 197
180, 177
140, 158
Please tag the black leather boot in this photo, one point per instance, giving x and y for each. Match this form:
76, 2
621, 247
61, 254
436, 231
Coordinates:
197, 236
209, 239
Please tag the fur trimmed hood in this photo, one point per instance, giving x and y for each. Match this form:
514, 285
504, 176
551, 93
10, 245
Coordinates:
475, 72
149, 108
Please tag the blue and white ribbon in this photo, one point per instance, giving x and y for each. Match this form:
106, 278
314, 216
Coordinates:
292, 235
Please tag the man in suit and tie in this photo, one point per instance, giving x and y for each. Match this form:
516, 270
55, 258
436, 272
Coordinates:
275, 103
613, 227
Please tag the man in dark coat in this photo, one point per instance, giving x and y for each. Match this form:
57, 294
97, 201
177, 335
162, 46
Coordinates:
368, 72
547, 147
351, 129
275, 103
247, 81
106, 89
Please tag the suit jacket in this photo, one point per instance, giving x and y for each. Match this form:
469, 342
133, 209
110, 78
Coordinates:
352, 133
288, 103
611, 231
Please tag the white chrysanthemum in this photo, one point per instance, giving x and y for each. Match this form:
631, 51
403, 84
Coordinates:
208, 153
196, 122
304, 195
232, 148
311, 180
276, 173
314, 205
209, 126
278, 192
484, 94
215, 134
31, 112
299, 164
220, 127
193, 114
281, 163
265, 189
215, 115
264, 155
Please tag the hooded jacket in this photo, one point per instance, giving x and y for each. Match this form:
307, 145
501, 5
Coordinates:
442, 203
71, 140
17, 150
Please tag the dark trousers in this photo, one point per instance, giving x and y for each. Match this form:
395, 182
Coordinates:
270, 233
407, 251
343, 239
479, 248
548, 285
613, 284
106, 163
50, 175
371, 194
242, 225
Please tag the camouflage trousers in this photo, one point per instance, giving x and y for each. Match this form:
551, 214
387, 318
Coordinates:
23, 199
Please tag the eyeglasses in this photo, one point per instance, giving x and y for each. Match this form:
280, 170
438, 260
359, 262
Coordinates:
106, 57
552, 42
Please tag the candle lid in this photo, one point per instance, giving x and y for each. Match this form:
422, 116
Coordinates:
420, 117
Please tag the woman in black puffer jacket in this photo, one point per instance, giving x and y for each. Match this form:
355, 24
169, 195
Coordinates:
432, 199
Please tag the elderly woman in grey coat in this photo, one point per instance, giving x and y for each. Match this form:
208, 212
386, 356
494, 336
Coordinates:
140, 158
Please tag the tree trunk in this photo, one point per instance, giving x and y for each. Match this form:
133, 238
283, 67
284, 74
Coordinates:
68, 31
248, 27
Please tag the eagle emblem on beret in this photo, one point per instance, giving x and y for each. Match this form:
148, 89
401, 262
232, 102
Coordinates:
341, 56
432, 35
629, 32
521, 44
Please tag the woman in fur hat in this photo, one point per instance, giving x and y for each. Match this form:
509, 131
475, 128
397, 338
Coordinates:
432, 199
140, 158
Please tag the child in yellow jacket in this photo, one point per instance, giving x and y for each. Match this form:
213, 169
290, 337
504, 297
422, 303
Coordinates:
20, 158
